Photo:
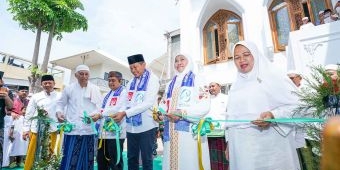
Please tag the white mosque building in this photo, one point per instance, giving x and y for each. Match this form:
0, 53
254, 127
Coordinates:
209, 29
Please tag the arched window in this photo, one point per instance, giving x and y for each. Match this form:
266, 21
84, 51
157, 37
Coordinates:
281, 25
286, 16
220, 33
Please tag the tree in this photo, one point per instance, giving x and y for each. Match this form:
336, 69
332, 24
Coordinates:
65, 19
32, 15
51, 16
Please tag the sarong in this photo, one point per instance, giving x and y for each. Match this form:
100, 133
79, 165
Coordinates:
217, 146
78, 152
32, 146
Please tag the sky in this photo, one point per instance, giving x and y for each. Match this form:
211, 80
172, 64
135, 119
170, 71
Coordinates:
120, 28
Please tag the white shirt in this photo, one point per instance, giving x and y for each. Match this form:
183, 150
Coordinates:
47, 102
118, 105
306, 26
145, 107
77, 100
218, 108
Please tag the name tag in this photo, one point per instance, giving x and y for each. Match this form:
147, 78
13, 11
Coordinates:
139, 97
113, 101
130, 94
184, 98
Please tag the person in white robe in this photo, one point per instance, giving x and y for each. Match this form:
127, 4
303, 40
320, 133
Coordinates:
185, 101
7, 142
6, 104
217, 138
82, 101
18, 148
260, 92
47, 100
306, 24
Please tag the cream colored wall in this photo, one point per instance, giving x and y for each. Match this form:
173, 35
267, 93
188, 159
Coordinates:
13, 72
122, 69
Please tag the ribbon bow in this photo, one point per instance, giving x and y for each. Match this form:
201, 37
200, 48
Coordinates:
88, 120
111, 126
204, 126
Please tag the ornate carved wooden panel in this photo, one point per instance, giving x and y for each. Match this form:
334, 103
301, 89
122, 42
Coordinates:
220, 19
220, 37
296, 11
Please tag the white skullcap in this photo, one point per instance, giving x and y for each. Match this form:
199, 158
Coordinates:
305, 18
82, 67
331, 67
320, 12
214, 79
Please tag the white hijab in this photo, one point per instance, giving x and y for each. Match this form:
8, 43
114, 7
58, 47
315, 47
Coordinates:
263, 82
187, 69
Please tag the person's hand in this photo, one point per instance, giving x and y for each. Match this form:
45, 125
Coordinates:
260, 121
60, 117
11, 135
226, 152
15, 115
25, 135
3, 94
96, 116
161, 117
118, 116
173, 115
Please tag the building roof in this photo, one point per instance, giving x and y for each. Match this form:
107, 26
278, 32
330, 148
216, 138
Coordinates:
89, 58
159, 66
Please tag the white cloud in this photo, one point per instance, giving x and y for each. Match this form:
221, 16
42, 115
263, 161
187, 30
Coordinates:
121, 28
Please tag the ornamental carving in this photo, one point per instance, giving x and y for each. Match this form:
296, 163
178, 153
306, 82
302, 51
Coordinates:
220, 18
296, 5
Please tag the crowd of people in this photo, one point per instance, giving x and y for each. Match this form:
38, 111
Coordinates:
103, 122
324, 16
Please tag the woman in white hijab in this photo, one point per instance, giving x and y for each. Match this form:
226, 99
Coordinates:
184, 96
259, 93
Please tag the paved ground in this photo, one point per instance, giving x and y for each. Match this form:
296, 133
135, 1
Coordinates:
157, 160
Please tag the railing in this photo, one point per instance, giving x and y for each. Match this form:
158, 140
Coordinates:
99, 82
104, 83
317, 45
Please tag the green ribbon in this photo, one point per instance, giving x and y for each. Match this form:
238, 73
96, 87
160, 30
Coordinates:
111, 126
207, 127
278, 120
65, 127
88, 120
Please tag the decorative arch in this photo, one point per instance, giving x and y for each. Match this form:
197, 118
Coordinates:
220, 33
286, 16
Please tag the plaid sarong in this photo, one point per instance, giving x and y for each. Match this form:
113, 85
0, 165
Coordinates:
217, 146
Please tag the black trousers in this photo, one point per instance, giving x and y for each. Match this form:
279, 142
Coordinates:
140, 143
107, 155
